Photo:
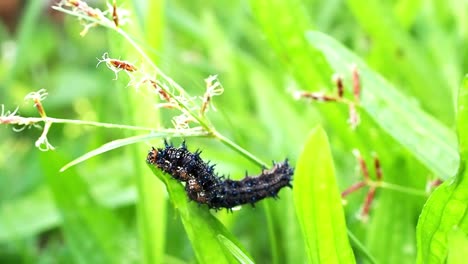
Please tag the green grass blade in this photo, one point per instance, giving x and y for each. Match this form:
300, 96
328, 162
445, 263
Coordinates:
446, 209
92, 232
458, 246
462, 118
392, 221
16, 215
127, 141
318, 203
27, 28
427, 139
202, 228
235, 251
388, 37
285, 35
152, 198
361, 248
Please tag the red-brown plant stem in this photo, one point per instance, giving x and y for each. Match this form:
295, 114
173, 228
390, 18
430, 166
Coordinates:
353, 188
317, 96
378, 168
356, 84
39, 107
362, 165
115, 16
368, 201
339, 85
433, 184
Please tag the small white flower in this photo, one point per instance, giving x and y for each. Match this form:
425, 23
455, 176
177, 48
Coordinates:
36, 97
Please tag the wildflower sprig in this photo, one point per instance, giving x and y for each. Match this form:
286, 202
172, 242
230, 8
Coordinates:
20, 122
42, 142
117, 65
12, 118
213, 88
373, 184
174, 95
352, 104
80, 11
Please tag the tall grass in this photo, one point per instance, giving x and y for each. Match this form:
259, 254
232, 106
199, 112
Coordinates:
92, 199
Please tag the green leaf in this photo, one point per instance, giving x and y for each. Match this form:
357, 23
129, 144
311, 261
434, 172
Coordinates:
446, 208
235, 251
462, 117
93, 233
318, 203
128, 141
285, 34
203, 229
426, 138
417, 63
27, 29
38, 204
457, 247
16, 215
152, 198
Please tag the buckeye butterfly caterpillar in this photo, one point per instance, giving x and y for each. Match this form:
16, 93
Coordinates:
204, 186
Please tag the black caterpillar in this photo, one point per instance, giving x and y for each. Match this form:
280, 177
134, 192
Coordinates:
204, 186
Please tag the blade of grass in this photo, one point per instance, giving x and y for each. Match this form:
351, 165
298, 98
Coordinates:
202, 228
152, 200
93, 233
282, 111
318, 203
132, 140
435, 149
457, 241
270, 223
361, 248
390, 235
462, 117
16, 215
27, 26
426, 138
303, 61
446, 209
235, 251
415, 65
38, 204
294, 51
406, 12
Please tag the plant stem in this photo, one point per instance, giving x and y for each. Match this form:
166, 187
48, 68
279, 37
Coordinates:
202, 121
398, 188
356, 243
19, 120
226, 141
271, 233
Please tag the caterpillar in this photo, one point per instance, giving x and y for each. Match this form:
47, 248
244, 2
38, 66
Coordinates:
204, 186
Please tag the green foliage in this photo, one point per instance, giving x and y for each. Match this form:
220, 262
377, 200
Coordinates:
93, 232
107, 206
203, 229
430, 142
318, 203
443, 223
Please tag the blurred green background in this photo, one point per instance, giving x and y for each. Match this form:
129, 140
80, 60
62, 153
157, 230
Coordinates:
260, 54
